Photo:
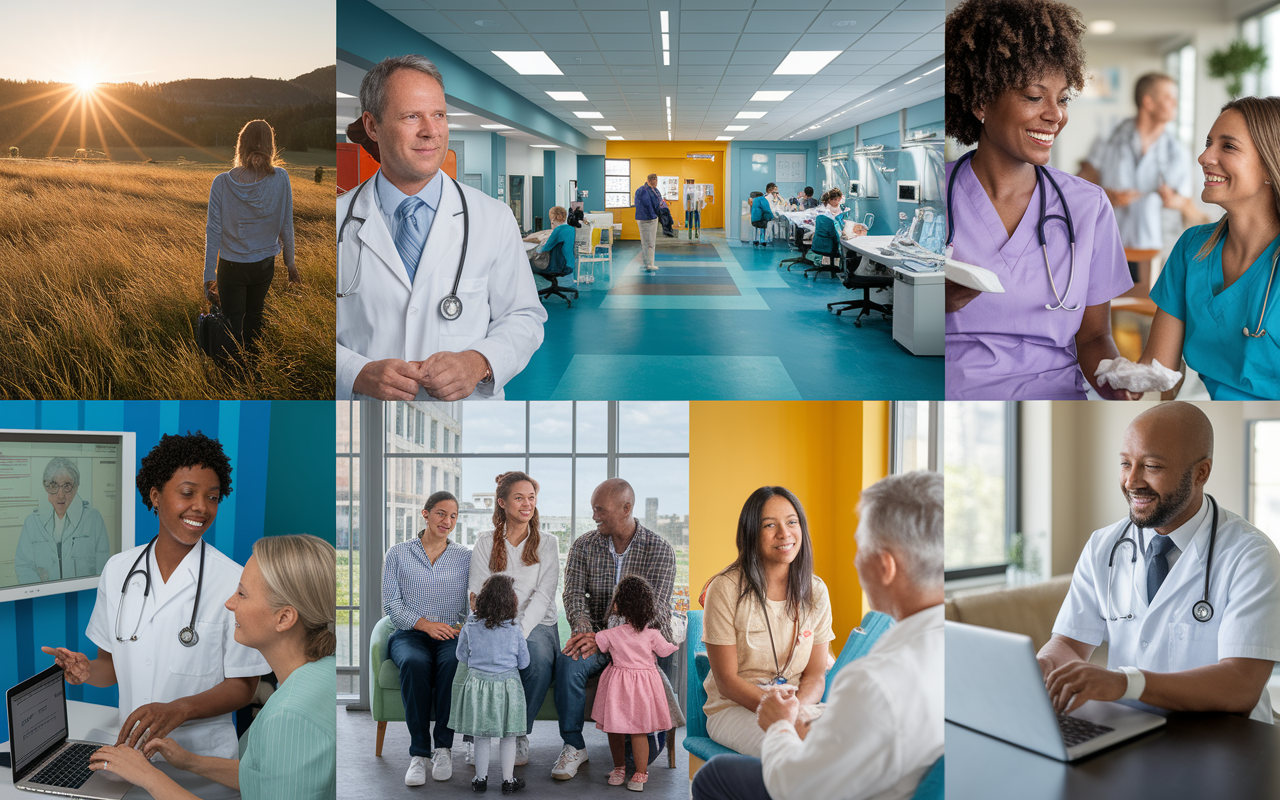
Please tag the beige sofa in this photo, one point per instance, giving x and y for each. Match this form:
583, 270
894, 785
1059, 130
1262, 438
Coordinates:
1029, 610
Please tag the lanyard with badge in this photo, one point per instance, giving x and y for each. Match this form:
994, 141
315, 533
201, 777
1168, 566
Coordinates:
779, 671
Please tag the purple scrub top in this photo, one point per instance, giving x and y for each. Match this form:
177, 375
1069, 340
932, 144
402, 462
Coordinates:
1009, 346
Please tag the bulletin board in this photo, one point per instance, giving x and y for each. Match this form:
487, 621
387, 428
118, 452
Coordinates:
789, 168
617, 183
669, 187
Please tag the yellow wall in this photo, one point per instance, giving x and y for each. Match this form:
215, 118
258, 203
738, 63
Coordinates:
668, 158
824, 452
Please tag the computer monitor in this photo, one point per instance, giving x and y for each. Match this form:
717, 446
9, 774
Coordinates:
66, 506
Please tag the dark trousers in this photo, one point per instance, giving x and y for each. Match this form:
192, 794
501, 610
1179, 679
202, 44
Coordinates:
427, 667
730, 777
242, 288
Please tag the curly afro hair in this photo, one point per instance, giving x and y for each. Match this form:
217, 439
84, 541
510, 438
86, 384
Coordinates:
497, 602
175, 452
634, 601
997, 45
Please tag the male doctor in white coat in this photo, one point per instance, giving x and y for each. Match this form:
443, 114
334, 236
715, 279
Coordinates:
1173, 653
400, 255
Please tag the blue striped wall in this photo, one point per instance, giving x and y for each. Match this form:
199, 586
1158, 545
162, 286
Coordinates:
250, 432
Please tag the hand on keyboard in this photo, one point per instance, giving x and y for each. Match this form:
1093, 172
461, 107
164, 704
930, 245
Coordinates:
1076, 682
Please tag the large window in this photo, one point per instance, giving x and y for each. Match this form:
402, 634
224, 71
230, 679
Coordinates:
1264, 476
980, 469
1181, 65
1264, 29
916, 436
348, 544
568, 447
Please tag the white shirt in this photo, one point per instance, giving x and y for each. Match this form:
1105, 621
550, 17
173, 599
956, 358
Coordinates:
1121, 164
157, 668
1244, 590
535, 585
882, 729
385, 316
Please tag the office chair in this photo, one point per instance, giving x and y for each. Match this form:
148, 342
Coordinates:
801, 245
557, 267
830, 263
866, 283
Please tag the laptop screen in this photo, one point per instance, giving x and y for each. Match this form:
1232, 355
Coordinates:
37, 718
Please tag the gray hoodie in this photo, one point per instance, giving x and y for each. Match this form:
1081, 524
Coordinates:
248, 221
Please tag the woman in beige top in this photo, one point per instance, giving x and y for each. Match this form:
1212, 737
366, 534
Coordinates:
767, 620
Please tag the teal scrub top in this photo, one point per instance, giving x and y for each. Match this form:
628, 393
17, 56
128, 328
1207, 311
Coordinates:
826, 234
1232, 365
562, 236
288, 751
760, 209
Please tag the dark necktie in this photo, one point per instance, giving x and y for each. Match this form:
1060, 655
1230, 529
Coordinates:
1157, 563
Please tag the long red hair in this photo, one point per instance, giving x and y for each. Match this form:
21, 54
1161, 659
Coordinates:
498, 555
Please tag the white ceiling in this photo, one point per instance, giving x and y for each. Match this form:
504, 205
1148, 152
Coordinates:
722, 52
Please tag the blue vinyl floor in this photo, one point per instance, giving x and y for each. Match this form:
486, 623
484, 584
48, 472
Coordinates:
718, 321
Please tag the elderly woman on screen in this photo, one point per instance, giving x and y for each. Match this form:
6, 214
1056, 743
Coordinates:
66, 540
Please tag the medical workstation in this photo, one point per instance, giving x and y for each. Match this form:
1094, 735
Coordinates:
82, 577
665, 164
1094, 553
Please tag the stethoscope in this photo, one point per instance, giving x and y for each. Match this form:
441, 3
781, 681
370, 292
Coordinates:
1202, 610
451, 305
1042, 175
187, 635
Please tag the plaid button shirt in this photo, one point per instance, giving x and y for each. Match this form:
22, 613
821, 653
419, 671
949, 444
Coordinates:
413, 588
590, 571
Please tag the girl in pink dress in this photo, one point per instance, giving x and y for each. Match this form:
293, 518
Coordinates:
630, 699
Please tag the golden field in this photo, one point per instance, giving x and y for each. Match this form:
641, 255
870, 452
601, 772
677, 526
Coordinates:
102, 285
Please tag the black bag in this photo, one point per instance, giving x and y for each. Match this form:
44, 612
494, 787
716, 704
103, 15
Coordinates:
213, 336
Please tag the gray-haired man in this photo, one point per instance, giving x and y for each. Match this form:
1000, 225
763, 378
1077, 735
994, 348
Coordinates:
648, 201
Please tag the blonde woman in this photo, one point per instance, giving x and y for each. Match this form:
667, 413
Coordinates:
283, 607
1217, 294
250, 221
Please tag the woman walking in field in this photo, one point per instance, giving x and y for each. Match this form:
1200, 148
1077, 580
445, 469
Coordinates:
250, 221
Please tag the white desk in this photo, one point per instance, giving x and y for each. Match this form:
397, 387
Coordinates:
93, 722
918, 298
869, 246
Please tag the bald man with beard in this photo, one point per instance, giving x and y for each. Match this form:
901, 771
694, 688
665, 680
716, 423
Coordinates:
1165, 656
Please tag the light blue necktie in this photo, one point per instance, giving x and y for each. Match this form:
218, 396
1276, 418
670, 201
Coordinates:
1157, 563
410, 237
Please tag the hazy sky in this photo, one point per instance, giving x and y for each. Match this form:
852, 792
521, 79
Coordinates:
160, 40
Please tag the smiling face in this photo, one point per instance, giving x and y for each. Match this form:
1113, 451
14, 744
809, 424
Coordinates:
187, 504
413, 136
255, 621
520, 502
61, 489
610, 511
1022, 124
780, 535
441, 517
1157, 476
1233, 170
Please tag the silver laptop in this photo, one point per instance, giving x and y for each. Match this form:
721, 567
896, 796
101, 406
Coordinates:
43, 759
994, 686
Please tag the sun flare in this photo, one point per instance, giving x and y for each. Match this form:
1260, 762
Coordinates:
86, 84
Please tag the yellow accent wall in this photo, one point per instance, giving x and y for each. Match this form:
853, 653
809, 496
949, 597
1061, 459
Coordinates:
824, 452
669, 158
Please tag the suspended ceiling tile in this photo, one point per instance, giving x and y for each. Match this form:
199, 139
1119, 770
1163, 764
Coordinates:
620, 21
779, 21
707, 41
720, 21
910, 22
551, 21
625, 41
768, 41
565, 41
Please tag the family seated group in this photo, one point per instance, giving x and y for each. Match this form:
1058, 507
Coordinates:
477, 635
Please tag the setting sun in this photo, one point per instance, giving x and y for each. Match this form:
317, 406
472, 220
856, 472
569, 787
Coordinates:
86, 83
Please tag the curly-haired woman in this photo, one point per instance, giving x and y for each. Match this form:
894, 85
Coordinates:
516, 547
1012, 69
172, 684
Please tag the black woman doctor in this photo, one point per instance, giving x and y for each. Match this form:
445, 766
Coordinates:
162, 631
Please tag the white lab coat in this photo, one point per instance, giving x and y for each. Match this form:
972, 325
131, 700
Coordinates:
1244, 591
157, 668
85, 545
387, 317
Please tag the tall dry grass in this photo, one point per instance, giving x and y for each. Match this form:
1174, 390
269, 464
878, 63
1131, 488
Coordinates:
101, 284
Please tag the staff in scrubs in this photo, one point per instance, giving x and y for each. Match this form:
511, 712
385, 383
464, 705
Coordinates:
1012, 103
167, 688
1217, 294
762, 211
826, 226
1163, 655
283, 608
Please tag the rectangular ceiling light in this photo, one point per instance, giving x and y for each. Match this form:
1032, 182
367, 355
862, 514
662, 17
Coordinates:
724, 138
935, 69
529, 62
668, 101
588, 115
547, 146
614, 138
456, 125
768, 97
666, 58
913, 80
603, 128
805, 62
750, 115
568, 97
736, 128
495, 127
666, 20
666, 41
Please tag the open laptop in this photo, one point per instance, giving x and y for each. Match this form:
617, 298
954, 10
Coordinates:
994, 686
43, 759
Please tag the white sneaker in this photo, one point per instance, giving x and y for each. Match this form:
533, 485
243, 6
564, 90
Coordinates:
417, 774
442, 764
471, 754
522, 751
567, 764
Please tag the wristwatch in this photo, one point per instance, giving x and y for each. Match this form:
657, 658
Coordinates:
488, 372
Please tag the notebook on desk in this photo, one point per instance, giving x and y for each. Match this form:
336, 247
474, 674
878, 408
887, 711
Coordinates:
43, 758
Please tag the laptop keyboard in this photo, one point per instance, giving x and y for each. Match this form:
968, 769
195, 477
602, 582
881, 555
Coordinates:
1078, 731
70, 769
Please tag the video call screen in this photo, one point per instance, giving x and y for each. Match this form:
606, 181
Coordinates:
60, 505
